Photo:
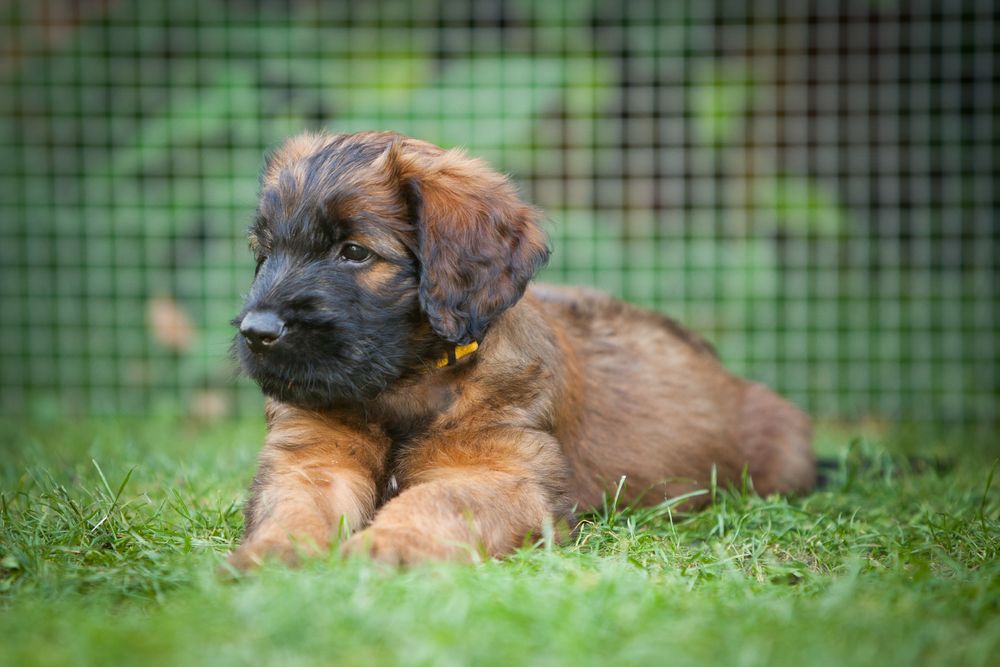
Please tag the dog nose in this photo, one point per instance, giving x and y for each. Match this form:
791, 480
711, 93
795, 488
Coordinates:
262, 329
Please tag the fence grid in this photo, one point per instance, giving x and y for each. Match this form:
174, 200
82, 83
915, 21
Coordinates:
808, 183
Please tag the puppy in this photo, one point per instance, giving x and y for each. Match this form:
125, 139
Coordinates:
422, 398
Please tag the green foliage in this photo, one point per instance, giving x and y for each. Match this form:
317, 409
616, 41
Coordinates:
798, 205
111, 534
721, 96
709, 175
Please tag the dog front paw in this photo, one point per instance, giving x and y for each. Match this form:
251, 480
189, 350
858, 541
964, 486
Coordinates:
399, 547
251, 555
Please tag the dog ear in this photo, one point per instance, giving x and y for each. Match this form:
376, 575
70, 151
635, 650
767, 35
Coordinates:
477, 242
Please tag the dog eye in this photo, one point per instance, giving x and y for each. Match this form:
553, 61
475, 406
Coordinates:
260, 263
352, 252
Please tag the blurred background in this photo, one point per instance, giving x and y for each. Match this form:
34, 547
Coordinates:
809, 184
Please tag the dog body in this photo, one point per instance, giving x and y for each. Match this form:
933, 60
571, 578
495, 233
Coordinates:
382, 262
650, 401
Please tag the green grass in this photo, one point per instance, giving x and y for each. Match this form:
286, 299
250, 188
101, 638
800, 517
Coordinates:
112, 533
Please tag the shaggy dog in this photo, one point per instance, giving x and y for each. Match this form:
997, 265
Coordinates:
422, 397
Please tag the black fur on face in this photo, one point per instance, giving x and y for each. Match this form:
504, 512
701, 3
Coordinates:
448, 246
351, 328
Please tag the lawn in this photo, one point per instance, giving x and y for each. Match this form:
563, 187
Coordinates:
112, 534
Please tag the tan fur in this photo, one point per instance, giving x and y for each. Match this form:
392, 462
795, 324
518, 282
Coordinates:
316, 471
569, 391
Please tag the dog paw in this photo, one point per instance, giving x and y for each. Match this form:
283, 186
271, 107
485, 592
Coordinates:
252, 555
401, 547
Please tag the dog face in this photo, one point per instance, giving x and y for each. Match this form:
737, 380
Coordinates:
376, 253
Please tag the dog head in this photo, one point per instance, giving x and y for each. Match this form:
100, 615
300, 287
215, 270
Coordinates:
375, 254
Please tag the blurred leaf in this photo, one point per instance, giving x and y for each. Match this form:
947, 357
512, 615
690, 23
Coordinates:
169, 323
590, 86
492, 100
800, 205
229, 104
749, 270
373, 85
209, 404
483, 104
719, 102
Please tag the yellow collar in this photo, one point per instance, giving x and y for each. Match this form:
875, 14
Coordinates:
455, 354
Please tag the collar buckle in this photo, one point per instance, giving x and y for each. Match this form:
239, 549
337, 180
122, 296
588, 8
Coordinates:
456, 353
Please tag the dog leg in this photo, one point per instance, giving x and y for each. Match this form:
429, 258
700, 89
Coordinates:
315, 474
464, 514
468, 503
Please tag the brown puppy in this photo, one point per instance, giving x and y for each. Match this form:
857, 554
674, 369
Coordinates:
421, 397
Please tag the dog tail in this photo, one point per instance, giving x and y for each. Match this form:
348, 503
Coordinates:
778, 440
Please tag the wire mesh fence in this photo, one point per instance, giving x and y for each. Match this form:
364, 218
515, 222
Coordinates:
810, 184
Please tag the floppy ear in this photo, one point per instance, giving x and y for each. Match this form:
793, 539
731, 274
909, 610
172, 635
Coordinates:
477, 242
